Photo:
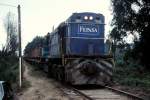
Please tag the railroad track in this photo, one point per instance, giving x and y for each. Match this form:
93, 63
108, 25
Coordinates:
102, 93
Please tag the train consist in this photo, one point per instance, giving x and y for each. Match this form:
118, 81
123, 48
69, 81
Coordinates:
76, 51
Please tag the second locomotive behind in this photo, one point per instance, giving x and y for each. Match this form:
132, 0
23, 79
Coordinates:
75, 51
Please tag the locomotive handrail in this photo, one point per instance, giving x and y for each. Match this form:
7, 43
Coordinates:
84, 23
84, 38
89, 56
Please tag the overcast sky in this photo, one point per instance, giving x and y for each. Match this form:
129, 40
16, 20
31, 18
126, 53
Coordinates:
39, 16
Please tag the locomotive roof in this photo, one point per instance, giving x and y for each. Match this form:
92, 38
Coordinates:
86, 13
82, 13
73, 17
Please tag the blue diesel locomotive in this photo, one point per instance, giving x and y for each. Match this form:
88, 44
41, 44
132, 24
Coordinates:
76, 51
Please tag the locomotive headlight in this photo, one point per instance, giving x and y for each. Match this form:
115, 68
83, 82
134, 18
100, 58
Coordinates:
86, 17
91, 17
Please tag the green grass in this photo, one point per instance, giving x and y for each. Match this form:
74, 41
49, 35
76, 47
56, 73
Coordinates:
132, 75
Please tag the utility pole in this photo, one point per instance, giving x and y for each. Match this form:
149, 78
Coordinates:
20, 49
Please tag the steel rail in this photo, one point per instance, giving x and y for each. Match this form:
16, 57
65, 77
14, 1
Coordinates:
130, 95
81, 93
124, 93
70, 88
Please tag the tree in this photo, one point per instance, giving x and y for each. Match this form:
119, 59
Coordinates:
11, 29
131, 17
8, 59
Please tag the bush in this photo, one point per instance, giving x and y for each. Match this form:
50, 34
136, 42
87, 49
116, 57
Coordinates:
9, 68
131, 74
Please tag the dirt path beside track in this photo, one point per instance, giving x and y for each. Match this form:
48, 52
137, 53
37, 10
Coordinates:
41, 87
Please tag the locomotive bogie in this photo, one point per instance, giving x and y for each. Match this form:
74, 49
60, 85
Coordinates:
87, 71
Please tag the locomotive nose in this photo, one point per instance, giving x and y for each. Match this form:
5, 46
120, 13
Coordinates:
89, 68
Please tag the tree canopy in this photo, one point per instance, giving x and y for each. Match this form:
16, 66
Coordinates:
132, 17
11, 29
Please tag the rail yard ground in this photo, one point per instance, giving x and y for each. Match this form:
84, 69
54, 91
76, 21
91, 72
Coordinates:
39, 87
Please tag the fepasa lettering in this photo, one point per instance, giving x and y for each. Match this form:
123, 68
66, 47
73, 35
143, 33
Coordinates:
85, 29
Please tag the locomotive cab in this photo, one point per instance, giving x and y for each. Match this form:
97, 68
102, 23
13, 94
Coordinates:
85, 35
